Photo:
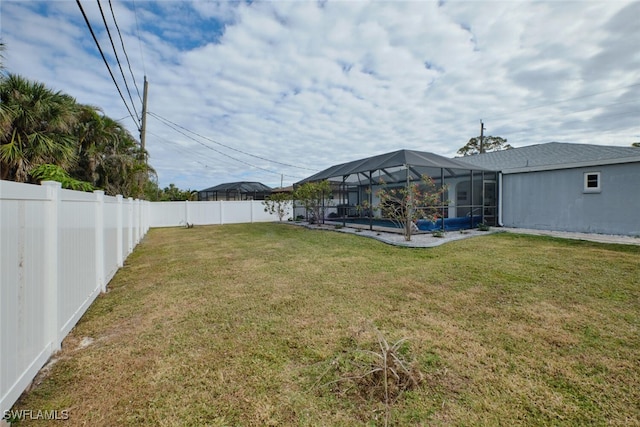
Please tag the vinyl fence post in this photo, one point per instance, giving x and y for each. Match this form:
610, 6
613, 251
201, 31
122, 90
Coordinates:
130, 226
134, 224
136, 212
119, 233
251, 208
50, 279
186, 213
143, 208
140, 220
221, 213
99, 227
144, 215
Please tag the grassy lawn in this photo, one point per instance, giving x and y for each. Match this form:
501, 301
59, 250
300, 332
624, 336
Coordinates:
260, 324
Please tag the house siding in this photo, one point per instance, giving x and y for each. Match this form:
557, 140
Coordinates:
556, 200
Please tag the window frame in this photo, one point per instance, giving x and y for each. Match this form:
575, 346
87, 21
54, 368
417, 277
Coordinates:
598, 187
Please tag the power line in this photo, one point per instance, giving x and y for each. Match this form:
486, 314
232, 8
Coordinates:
169, 124
545, 117
125, 51
196, 158
113, 46
135, 13
187, 152
603, 106
104, 59
511, 113
231, 148
574, 122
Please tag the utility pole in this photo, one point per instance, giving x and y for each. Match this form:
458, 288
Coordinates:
143, 126
481, 137
143, 136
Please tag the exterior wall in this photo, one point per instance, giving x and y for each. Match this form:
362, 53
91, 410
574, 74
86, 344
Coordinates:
556, 200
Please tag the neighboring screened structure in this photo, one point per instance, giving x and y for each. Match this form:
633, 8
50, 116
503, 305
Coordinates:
235, 191
471, 191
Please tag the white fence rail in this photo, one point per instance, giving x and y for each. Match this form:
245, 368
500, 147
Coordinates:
58, 250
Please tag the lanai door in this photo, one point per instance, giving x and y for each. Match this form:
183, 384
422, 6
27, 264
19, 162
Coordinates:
490, 205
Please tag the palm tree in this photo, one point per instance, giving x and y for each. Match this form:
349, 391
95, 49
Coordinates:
92, 138
39, 126
36, 126
108, 155
122, 167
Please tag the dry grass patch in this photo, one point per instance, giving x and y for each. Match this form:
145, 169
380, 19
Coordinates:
236, 325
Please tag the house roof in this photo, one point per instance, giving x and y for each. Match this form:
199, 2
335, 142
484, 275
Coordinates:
552, 155
394, 159
288, 189
241, 187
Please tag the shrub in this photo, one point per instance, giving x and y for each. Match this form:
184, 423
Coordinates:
378, 371
277, 204
415, 200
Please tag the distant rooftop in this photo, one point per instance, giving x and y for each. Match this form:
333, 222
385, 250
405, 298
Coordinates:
242, 190
552, 155
241, 186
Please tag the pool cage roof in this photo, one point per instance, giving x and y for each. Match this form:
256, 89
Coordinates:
392, 167
242, 187
243, 190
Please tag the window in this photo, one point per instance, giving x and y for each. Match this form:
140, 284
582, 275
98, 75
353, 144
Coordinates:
592, 182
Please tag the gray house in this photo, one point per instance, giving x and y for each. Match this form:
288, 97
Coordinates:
567, 187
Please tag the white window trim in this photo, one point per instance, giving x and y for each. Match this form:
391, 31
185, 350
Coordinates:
587, 189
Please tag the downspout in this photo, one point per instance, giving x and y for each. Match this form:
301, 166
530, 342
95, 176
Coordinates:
370, 213
482, 200
345, 201
442, 196
323, 206
500, 200
471, 201
409, 213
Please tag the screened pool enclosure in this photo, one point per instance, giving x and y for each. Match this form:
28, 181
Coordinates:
242, 190
470, 195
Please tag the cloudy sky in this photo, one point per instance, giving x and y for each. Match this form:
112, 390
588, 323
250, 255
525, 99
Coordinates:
275, 91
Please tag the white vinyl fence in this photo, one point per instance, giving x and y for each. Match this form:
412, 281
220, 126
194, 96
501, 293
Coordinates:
58, 250
171, 214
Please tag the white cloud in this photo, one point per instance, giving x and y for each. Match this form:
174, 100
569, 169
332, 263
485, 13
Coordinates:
312, 84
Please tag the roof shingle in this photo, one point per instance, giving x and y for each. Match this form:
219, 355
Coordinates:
552, 155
